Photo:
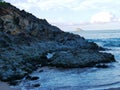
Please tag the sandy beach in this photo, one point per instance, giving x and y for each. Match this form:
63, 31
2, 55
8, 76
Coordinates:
5, 86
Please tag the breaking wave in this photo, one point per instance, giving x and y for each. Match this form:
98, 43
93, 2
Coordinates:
107, 42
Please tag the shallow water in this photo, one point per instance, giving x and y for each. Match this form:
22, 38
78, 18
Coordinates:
82, 79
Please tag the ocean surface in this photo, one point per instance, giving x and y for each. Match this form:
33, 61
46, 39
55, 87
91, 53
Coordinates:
83, 79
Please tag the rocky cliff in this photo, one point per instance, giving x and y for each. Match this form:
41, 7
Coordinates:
27, 42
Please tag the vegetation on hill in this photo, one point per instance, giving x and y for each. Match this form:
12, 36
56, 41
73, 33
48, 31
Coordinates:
2, 2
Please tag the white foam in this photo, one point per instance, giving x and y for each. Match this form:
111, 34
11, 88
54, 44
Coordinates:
49, 55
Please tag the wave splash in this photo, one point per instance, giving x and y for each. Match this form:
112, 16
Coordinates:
107, 42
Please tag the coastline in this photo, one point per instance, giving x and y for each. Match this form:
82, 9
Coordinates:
5, 86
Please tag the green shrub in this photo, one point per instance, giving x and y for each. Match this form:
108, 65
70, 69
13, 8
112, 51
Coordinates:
2, 2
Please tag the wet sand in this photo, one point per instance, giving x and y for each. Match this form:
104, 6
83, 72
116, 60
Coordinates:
5, 86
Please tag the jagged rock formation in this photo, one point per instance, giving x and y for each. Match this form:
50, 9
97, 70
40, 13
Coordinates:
27, 42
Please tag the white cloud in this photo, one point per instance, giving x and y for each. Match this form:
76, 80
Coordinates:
46, 4
60, 4
55, 4
102, 17
82, 9
70, 4
33, 1
90, 4
23, 6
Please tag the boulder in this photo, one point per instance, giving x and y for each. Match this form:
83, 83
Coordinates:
80, 58
36, 85
28, 77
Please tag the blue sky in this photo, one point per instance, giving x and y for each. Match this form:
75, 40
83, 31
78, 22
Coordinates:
72, 12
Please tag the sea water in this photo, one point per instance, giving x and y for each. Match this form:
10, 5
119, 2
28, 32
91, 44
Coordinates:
108, 39
87, 78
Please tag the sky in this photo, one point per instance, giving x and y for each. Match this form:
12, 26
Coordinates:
85, 14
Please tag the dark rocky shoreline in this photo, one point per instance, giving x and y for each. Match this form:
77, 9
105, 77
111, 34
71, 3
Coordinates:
26, 40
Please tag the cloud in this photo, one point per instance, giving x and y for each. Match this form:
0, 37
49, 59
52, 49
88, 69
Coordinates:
23, 6
90, 4
61, 4
71, 10
45, 4
70, 4
102, 17
57, 4
33, 1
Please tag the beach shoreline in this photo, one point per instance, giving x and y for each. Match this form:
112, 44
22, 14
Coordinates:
5, 86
